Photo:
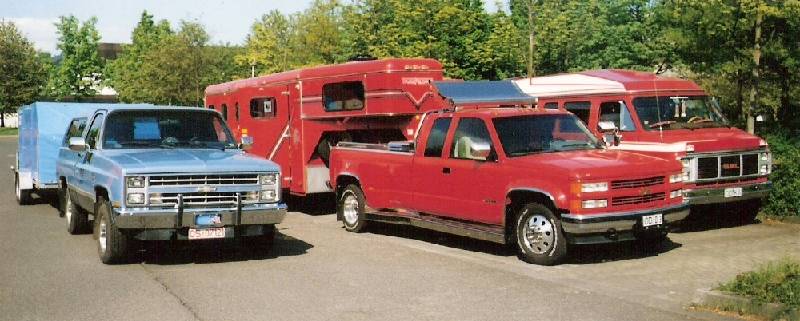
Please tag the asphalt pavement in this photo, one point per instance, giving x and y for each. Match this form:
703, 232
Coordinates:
317, 271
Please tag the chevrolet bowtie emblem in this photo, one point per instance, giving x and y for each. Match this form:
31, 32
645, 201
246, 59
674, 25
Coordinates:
206, 189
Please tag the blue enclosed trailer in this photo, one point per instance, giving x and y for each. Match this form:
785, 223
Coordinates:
42, 126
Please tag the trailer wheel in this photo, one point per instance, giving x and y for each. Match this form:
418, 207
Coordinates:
23, 195
351, 208
539, 237
112, 244
77, 219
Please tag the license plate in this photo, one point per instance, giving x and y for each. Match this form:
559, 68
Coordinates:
206, 233
733, 192
650, 220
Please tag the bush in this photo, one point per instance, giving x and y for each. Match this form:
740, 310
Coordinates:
784, 199
777, 282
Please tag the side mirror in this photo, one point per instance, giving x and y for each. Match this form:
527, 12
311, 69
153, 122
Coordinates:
78, 144
610, 132
606, 126
480, 151
401, 146
247, 143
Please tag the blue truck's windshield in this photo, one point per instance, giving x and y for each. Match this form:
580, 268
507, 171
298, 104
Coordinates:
165, 129
523, 135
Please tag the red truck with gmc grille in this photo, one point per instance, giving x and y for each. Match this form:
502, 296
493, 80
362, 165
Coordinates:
666, 117
531, 177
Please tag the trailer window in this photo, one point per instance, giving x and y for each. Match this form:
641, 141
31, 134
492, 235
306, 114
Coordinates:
262, 107
435, 143
343, 96
224, 112
580, 109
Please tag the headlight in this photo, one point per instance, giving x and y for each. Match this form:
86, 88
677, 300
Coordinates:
687, 169
676, 178
594, 187
268, 179
135, 198
764, 169
594, 203
676, 193
764, 157
269, 196
135, 181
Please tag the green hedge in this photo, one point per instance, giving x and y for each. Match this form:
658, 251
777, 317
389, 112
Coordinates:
784, 200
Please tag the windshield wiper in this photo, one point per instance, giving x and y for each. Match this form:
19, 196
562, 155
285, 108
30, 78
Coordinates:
146, 144
662, 123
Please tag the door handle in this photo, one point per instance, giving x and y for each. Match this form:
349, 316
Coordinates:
446, 170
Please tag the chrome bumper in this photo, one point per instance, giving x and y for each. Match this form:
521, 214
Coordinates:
717, 195
620, 221
173, 218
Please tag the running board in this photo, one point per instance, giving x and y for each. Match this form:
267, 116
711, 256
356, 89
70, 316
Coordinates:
492, 233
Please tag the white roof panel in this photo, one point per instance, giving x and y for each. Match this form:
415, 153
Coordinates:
570, 84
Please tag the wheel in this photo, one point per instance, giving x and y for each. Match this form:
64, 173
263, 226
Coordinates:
112, 244
77, 219
351, 208
23, 195
539, 237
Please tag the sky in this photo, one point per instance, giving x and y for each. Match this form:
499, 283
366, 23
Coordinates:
226, 21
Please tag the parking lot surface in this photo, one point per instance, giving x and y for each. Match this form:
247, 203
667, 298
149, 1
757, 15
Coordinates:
317, 271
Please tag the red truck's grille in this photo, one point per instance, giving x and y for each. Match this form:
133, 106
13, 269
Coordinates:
188, 180
639, 199
727, 166
633, 183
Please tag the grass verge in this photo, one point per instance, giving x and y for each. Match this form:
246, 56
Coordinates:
775, 282
6, 131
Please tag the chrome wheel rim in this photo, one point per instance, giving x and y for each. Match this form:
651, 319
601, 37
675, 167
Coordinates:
102, 235
539, 234
68, 208
350, 209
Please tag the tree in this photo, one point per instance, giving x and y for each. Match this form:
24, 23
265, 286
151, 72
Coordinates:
268, 47
22, 73
80, 70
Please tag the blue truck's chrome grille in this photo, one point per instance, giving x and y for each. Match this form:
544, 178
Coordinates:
197, 199
190, 180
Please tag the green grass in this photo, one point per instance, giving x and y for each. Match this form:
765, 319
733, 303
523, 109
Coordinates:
775, 282
5, 131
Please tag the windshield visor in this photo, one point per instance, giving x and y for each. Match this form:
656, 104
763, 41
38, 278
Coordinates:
523, 135
165, 129
665, 113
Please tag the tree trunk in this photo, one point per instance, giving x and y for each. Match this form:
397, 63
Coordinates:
739, 94
751, 124
2, 119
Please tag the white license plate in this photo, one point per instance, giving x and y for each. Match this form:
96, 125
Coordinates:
733, 192
650, 220
206, 233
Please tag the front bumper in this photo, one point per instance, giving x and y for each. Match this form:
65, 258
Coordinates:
619, 226
717, 195
174, 218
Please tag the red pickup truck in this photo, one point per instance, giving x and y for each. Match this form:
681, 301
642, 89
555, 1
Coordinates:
532, 177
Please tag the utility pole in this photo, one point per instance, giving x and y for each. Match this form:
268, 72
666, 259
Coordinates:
751, 124
531, 32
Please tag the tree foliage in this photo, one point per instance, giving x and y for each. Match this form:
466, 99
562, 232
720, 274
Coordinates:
79, 72
22, 72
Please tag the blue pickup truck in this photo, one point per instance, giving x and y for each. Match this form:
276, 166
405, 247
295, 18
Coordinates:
164, 173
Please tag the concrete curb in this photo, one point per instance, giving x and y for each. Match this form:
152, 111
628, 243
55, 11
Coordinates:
732, 302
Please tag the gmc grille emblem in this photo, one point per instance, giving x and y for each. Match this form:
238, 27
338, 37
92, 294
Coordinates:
730, 166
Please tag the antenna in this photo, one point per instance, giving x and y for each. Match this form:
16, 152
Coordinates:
658, 104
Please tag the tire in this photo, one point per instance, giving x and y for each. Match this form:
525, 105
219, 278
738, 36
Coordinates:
351, 208
112, 244
539, 237
77, 219
23, 195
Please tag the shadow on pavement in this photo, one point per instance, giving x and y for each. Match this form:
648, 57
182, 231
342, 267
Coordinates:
712, 217
578, 254
209, 252
312, 204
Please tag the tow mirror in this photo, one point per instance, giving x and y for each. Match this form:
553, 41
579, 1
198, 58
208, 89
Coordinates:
611, 136
77, 144
401, 146
480, 150
247, 143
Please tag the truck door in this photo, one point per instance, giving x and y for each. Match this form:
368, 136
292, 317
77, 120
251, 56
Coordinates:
67, 158
428, 169
84, 177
